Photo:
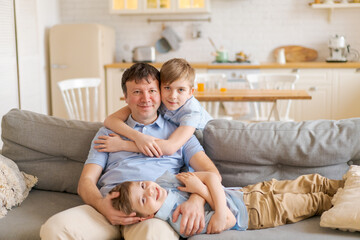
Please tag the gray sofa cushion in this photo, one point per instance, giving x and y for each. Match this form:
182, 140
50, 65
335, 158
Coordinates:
247, 153
308, 229
24, 222
50, 148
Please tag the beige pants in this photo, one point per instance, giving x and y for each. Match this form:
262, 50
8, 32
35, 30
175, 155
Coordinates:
84, 222
273, 203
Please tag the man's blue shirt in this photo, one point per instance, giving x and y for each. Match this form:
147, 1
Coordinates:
190, 114
175, 197
129, 166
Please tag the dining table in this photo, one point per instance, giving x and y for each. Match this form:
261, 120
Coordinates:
252, 95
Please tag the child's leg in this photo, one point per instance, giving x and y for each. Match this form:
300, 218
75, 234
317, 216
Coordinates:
304, 184
270, 210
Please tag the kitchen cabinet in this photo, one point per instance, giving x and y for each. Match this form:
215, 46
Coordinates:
114, 90
159, 6
331, 6
346, 93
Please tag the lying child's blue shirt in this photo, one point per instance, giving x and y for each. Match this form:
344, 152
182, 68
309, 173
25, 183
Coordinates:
190, 114
234, 199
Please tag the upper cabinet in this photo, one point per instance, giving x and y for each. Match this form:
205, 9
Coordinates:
159, 6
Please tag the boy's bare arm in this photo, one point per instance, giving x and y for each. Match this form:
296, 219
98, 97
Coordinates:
208, 186
145, 143
176, 140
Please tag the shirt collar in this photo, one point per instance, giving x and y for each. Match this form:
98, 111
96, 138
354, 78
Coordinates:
160, 122
166, 208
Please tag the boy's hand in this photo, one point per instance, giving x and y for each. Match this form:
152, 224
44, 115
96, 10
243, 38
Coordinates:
192, 183
148, 146
217, 223
111, 143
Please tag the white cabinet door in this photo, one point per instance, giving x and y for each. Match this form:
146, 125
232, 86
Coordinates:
9, 97
32, 87
114, 90
159, 6
318, 83
346, 93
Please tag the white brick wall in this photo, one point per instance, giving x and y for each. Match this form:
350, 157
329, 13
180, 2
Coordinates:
253, 26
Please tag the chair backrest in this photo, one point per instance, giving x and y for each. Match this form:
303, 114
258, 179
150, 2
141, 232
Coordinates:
272, 81
81, 97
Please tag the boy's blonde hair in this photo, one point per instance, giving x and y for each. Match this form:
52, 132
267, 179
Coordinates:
175, 69
123, 202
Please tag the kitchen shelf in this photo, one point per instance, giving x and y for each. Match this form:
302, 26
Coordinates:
333, 6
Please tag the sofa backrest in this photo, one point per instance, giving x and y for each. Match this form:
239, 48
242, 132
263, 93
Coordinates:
50, 148
247, 153
55, 149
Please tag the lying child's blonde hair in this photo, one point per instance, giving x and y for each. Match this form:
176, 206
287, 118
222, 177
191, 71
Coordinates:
123, 202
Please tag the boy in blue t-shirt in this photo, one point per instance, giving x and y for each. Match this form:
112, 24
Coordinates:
178, 106
263, 205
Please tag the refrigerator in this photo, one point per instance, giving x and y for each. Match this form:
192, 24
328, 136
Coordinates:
79, 51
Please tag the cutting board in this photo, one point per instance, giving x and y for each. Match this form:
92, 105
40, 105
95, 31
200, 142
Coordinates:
294, 53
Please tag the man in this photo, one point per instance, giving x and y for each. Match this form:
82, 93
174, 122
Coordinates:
98, 219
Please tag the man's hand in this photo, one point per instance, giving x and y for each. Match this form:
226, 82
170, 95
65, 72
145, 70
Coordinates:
115, 217
148, 146
111, 143
192, 211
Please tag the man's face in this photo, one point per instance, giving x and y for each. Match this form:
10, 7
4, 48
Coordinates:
174, 95
147, 197
143, 99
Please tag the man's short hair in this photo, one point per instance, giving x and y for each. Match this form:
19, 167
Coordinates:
137, 73
175, 69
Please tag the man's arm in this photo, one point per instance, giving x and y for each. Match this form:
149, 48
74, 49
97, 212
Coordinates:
91, 195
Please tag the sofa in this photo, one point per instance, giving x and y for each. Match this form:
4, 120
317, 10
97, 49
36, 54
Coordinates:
54, 150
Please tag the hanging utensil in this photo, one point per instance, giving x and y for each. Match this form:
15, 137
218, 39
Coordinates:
213, 44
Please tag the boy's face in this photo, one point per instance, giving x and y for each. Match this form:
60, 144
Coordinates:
174, 95
147, 197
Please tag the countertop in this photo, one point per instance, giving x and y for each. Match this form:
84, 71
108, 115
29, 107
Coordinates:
251, 66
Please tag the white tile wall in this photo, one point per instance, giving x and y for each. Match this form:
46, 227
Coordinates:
253, 26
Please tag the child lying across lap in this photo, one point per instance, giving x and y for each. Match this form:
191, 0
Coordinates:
263, 205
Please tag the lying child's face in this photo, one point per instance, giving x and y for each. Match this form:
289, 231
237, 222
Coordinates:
174, 95
147, 197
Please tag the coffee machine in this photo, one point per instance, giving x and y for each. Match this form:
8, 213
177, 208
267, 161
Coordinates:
338, 49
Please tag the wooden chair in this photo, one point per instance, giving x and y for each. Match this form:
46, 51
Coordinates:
264, 111
81, 98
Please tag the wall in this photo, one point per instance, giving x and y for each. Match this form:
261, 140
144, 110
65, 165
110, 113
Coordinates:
23, 58
253, 26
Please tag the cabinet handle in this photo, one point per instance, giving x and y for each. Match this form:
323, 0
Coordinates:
357, 70
58, 66
313, 89
295, 70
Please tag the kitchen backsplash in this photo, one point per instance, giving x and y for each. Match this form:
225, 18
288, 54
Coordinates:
255, 27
